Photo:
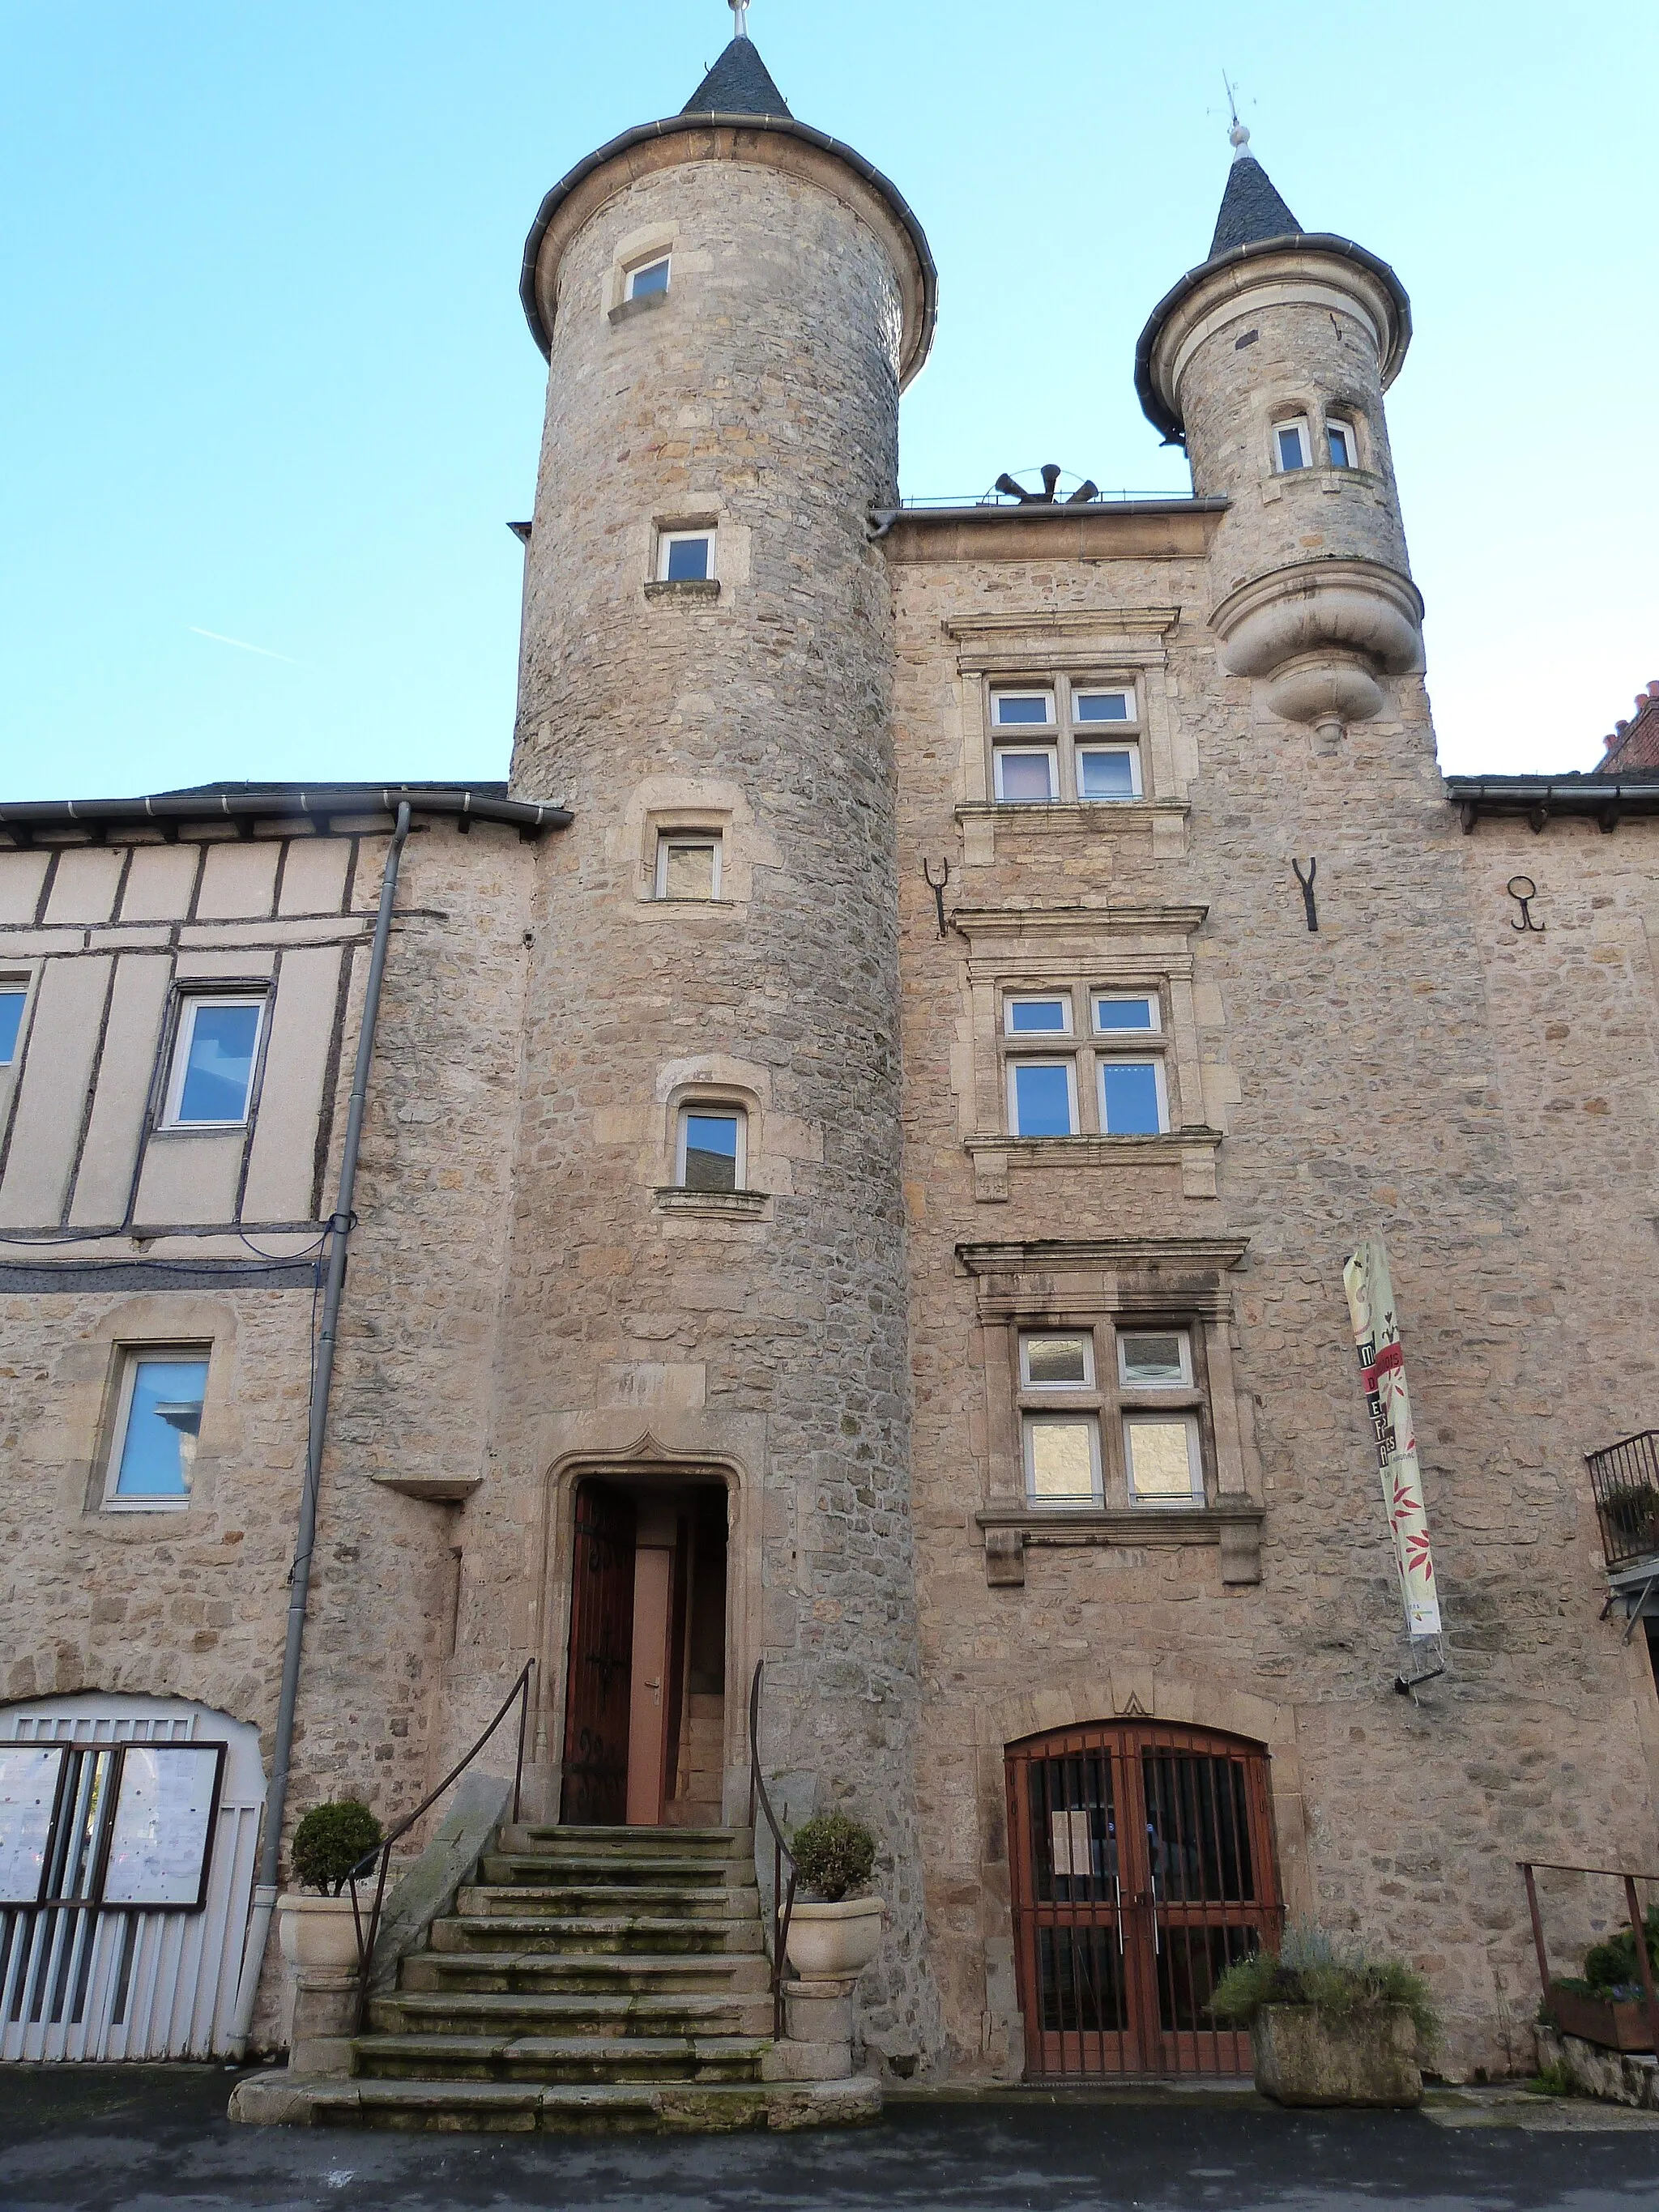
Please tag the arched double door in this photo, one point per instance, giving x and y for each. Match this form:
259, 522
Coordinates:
1141, 1864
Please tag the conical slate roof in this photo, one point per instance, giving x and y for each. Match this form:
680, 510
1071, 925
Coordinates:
1251, 210
738, 84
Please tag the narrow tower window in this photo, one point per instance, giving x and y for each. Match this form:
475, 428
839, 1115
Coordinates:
1344, 446
651, 276
711, 1148
1291, 446
685, 557
689, 865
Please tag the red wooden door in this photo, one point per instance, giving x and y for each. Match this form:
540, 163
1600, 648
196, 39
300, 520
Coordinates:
1142, 1864
597, 1674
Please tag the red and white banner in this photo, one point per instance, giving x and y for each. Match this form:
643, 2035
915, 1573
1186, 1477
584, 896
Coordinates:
1377, 1335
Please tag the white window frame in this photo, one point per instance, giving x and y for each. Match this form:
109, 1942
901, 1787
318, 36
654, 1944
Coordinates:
1130, 746
1027, 1336
1094, 1497
1148, 999
1012, 998
190, 1006
631, 276
133, 1357
1040, 1060
667, 840
667, 539
1125, 1329
712, 1110
16, 986
1143, 1059
1129, 722
1153, 1500
1343, 423
1049, 752
1299, 424
1043, 691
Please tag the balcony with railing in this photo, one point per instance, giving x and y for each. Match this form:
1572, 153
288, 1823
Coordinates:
1625, 1478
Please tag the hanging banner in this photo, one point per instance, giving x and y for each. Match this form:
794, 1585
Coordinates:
1377, 1335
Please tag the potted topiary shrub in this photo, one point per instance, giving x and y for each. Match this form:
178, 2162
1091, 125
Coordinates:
833, 1936
1606, 2004
318, 1928
1330, 2027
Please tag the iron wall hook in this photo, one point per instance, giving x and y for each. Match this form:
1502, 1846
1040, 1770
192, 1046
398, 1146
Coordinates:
1307, 883
937, 890
1523, 898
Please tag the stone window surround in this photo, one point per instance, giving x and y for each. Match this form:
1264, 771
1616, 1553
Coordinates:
1021, 950
89, 1381
1107, 1397
1147, 1281
702, 510
664, 804
1085, 1047
1313, 410
632, 250
129, 1358
773, 1141
1123, 646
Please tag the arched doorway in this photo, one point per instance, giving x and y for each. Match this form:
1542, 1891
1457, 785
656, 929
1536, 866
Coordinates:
1141, 1863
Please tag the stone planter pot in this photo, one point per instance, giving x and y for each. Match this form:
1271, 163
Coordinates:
317, 1931
828, 1942
1305, 2056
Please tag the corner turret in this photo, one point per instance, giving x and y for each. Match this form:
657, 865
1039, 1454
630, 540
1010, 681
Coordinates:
1268, 362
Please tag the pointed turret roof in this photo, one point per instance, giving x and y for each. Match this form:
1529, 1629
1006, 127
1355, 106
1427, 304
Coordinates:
738, 84
1251, 210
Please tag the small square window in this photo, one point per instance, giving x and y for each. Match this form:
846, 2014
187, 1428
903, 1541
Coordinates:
1132, 1097
711, 1149
1042, 1098
1036, 1016
158, 1419
14, 998
1158, 1360
213, 1060
1343, 452
1114, 1014
649, 277
685, 557
1063, 1458
1291, 446
1027, 708
1054, 1360
1108, 771
689, 866
1161, 1453
1103, 705
1028, 777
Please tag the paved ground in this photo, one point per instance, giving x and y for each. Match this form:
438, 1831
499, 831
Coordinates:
154, 2139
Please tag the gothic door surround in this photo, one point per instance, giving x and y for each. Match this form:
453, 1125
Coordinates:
1142, 1864
596, 1678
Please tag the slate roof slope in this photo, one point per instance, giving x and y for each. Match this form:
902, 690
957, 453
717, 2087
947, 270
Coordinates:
1251, 210
738, 84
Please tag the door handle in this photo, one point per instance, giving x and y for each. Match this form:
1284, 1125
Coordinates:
1156, 1945
1117, 1910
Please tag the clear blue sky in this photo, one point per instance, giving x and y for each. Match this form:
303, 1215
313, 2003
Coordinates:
265, 373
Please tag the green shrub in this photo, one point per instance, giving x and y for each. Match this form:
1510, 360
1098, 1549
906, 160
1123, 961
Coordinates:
832, 1855
1309, 1969
1613, 1964
329, 1842
1551, 2081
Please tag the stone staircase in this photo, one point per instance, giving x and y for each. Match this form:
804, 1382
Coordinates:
592, 1979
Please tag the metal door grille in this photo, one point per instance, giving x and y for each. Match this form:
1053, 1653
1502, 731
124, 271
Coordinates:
84, 1978
1142, 1865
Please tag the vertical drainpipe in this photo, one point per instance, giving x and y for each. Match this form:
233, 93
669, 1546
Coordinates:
264, 1893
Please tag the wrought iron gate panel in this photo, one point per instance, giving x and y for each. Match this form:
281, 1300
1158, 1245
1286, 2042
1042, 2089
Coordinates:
84, 1978
1142, 1865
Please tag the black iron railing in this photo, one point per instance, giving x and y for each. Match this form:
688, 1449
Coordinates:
1530, 1869
518, 1694
1624, 1478
783, 1900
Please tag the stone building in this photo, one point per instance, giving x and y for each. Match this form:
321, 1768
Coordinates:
864, 1133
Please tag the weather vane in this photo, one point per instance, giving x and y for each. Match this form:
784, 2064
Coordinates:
739, 18
1239, 136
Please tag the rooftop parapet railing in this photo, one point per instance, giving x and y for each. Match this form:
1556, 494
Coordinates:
1624, 1478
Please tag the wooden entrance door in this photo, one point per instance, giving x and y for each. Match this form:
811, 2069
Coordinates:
1142, 1864
597, 1674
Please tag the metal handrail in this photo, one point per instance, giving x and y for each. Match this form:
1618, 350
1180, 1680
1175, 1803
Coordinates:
382, 1850
1529, 1867
783, 1901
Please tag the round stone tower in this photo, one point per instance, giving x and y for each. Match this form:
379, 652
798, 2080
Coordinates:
710, 1271
1269, 362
